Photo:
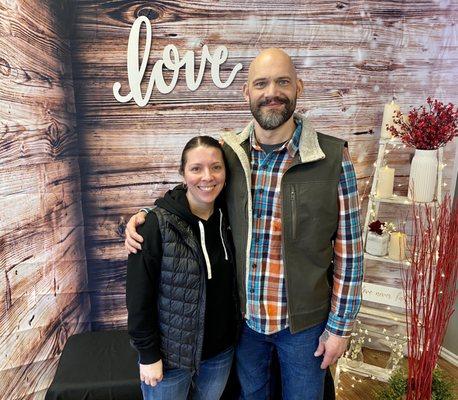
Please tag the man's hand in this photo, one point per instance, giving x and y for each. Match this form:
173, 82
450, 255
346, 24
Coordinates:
133, 239
331, 347
151, 374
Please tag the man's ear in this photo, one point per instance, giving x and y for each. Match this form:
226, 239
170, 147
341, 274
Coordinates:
245, 92
299, 87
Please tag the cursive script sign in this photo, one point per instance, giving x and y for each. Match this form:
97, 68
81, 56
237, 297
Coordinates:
170, 60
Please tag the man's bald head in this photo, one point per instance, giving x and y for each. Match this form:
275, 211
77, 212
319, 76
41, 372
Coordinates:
271, 58
272, 88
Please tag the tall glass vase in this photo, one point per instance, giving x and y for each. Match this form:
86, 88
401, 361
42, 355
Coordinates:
423, 176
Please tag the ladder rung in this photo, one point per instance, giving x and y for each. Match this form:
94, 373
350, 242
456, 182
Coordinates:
397, 200
391, 141
368, 256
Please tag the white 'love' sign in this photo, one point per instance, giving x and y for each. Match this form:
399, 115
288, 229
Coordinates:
170, 60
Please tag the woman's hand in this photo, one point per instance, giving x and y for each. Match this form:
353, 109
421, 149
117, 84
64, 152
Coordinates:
151, 374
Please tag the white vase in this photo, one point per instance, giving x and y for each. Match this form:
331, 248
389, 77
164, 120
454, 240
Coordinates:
423, 176
376, 244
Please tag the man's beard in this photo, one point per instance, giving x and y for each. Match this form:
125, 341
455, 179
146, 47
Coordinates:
272, 119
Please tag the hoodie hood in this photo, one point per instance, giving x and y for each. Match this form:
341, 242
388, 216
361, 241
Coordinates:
176, 202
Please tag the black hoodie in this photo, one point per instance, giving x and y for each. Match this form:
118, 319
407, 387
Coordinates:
142, 280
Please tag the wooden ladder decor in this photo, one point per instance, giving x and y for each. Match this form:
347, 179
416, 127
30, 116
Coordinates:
360, 335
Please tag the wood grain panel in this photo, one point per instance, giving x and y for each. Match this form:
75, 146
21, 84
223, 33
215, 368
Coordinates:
115, 158
43, 277
36, 376
24, 244
23, 144
46, 274
39, 377
353, 57
30, 328
118, 18
20, 212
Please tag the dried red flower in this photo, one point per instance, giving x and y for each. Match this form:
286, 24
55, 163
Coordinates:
427, 129
376, 227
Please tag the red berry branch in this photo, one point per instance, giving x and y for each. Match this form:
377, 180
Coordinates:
428, 127
430, 291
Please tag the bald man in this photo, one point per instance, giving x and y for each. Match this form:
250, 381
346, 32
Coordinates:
293, 209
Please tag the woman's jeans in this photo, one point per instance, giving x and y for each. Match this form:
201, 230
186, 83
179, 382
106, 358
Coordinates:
301, 375
178, 383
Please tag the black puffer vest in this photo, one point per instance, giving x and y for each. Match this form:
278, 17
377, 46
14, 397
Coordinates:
181, 293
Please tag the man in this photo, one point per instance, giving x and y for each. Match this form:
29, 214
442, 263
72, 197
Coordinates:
293, 208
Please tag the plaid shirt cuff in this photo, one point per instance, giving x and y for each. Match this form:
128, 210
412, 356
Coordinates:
339, 326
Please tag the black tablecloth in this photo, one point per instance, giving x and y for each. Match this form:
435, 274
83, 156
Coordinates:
103, 366
97, 366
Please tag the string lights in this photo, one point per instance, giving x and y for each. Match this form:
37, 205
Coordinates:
353, 360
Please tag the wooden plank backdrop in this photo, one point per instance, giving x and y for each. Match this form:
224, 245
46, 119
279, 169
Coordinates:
43, 274
353, 57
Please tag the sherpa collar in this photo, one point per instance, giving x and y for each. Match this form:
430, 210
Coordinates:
309, 148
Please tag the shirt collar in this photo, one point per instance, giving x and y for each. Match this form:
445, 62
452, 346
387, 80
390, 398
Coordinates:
291, 145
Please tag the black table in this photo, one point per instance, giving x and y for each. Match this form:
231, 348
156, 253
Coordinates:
103, 366
97, 366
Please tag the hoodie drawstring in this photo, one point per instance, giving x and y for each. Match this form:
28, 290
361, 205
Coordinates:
221, 233
204, 249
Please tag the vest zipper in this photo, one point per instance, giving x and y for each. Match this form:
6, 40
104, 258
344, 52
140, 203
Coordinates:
200, 321
293, 212
288, 302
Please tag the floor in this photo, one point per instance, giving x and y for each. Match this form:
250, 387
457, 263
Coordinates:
353, 387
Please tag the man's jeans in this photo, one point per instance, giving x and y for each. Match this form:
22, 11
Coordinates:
301, 375
208, 384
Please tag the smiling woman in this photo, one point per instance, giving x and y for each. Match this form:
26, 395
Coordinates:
204, 175
182, 312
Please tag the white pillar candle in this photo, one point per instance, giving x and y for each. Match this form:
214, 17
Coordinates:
405, 119
385, 182
388, 115
397, 247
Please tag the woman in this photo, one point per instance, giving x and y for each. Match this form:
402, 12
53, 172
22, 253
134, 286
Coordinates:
181, 291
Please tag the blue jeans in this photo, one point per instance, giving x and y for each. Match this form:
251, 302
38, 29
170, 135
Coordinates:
208, 384
301, 375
